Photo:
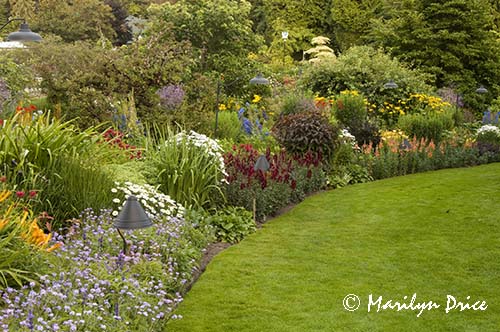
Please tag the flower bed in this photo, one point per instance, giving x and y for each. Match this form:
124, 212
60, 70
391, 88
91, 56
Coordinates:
93, 286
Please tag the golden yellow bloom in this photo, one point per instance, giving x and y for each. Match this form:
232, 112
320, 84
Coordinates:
3, 223
222, 107
350, 92
4, 195
256, 98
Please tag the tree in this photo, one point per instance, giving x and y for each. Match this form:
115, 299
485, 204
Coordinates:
351, 20
453, 39
75, 20
87, 78
22, 8
303, 20
119, 24
218, 30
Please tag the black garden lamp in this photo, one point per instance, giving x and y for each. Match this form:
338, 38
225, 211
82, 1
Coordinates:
481, 90
132, 216
391, 85
257, 80
262, 164
24, 34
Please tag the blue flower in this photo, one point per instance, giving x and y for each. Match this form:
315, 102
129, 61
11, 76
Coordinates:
264, 115
486, 117
258, 124
247, 126
241, 112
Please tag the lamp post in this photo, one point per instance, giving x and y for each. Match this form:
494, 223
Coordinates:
262, 164
257, 80
284, 36
132, 216
487, 114
24, 34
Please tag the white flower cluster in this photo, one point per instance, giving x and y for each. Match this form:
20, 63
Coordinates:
488, 128
210, 146
155, 203
348, 138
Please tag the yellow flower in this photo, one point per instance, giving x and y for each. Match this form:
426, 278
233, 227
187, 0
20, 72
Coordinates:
222, 107
256, 98
3, 223
4, 195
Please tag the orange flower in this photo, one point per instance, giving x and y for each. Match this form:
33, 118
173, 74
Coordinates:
54, 247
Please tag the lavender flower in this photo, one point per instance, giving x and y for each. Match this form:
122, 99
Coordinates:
171, 96
94, 286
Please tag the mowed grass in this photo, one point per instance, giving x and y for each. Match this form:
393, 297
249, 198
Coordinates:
433, 234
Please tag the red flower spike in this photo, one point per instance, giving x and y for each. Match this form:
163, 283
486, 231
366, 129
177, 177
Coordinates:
20, 194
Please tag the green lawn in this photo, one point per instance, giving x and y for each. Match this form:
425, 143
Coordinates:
433, 234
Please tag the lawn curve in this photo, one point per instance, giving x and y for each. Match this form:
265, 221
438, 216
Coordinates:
434, 234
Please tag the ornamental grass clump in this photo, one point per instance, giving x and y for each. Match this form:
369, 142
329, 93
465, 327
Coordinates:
93, 286
58, 159
188, 167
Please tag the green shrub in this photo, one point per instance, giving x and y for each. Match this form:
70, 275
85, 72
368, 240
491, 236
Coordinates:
349, 109
306, 131
488, 142
488, 134
430, 126
297, 102
268, 201
229, 126
365, 69
232, 224
348, 174
133, 171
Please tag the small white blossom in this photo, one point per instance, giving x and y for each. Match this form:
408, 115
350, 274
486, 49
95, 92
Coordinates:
155, 203
489, 128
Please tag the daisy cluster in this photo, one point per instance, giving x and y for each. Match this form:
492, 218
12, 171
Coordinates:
347, 137
155, 203
210, 146
489, 129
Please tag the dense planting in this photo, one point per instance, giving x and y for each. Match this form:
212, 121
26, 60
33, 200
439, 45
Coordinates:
215, 121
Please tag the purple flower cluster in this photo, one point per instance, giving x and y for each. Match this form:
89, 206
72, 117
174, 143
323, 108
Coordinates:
171, 96
94, 286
